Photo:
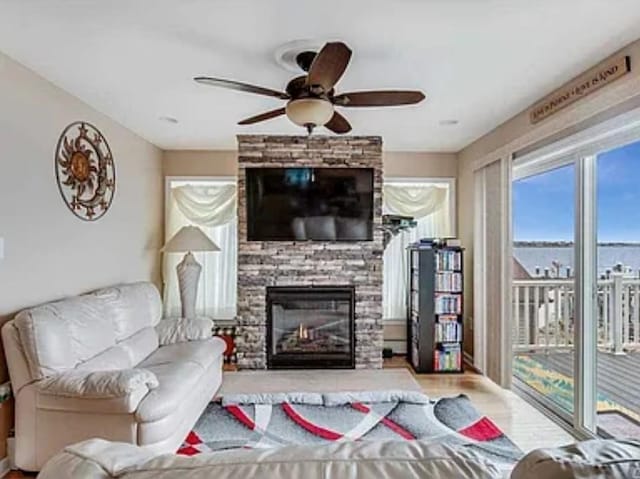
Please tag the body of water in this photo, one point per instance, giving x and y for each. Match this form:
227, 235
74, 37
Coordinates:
543, 257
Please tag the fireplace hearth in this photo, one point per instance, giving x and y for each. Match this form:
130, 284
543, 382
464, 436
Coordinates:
310, 327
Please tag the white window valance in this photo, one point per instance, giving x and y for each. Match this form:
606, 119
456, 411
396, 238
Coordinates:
417, 201
206, 205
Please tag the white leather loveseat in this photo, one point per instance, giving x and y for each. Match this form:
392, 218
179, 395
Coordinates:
97, 459
105, 365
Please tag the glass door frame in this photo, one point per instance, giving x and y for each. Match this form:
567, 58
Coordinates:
582, 151
586, 286
531, 166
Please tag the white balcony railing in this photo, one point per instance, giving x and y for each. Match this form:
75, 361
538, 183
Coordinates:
544, 312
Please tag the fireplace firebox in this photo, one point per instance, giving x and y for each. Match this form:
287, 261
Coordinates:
310, 327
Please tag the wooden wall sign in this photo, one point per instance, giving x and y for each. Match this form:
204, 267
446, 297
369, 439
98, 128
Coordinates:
585, 84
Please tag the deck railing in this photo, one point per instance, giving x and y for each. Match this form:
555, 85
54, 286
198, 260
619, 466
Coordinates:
544, 312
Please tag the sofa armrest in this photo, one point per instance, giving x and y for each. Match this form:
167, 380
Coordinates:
593, 458
94, 459
98, 384
171, 331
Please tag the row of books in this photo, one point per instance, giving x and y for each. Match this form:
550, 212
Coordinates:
448, 260
446, 303
448, 358
448, 329
449, 281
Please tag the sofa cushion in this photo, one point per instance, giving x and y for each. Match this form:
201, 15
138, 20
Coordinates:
141, 345
171, 331
176, 381
116, 357
604, 459
178, 368
133, 307
58, 336
202, 353
124, 355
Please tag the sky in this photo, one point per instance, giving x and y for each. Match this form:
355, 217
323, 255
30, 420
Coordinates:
543, 205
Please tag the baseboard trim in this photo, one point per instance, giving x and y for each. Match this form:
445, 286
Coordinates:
468, 362
4, 466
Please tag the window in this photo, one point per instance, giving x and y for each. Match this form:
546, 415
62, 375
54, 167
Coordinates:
431, 203
211, 205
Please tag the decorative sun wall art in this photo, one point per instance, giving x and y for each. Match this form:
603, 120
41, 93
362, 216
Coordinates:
85, 171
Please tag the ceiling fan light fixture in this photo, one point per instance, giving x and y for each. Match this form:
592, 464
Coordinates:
309, 111
312, 97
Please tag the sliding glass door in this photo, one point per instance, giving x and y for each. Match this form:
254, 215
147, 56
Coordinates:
617, 375
543, 285
576, 284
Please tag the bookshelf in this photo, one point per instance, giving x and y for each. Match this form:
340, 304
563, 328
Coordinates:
435, 308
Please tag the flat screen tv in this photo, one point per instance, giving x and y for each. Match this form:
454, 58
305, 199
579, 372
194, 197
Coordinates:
309, 204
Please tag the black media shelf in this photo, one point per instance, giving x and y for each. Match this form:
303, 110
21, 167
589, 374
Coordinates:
435, 309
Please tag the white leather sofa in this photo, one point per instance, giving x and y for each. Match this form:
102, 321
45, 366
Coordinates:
364, 460
96, 459
105, 365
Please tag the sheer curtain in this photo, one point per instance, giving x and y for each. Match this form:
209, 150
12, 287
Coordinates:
430, 206
211, 205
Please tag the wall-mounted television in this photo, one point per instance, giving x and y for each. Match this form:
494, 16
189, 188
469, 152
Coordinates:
309, 204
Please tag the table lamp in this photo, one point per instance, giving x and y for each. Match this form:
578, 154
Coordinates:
189, 239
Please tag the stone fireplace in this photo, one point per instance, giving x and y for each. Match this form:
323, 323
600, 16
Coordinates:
263, 265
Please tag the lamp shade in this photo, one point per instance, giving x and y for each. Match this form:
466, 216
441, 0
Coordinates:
189, 238
309, 111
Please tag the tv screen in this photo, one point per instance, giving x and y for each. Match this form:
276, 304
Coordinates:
309, 204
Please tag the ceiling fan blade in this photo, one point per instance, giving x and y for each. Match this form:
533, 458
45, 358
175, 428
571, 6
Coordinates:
262, 117
245, 87
338, 124
379, 98
329, 65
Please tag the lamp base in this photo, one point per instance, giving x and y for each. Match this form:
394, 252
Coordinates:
188, 276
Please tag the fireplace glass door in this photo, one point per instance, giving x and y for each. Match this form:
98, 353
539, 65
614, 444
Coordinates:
310, 327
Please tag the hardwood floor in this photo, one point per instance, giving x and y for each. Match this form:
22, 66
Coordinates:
18, 475
524, 424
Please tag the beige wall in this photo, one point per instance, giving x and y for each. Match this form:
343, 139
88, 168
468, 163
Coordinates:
200, 163
518, 133
225, 163
49, 252
420, 164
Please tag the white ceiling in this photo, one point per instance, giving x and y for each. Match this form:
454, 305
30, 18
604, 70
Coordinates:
479, 61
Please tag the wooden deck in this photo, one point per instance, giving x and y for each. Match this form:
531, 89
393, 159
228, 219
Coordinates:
618, 379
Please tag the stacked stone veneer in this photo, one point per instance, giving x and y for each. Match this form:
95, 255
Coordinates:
299, 263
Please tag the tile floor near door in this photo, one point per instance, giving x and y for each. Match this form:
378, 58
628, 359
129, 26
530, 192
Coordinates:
524, 424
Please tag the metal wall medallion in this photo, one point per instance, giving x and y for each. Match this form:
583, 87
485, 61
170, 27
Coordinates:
85, 170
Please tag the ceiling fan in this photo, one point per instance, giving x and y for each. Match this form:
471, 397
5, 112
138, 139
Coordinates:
311, 98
